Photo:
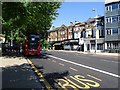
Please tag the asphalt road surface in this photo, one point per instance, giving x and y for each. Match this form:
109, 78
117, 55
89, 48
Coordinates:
69, 70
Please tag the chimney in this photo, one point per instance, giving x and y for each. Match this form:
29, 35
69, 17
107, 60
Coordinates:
71, 23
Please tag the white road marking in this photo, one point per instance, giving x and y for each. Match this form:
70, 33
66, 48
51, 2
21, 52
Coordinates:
88, 67
109, 61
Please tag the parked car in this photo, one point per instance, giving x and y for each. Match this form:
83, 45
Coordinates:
67, 46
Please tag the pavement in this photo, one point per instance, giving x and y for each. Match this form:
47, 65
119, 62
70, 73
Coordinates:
18, 74
98, 53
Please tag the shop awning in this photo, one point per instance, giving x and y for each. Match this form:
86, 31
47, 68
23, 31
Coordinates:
57, 44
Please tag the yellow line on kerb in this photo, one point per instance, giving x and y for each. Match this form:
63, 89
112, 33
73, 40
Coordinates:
94, 77
61, 64
73, 69
40, 75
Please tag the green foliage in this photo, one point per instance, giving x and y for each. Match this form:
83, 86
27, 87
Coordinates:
23, 17
44, 44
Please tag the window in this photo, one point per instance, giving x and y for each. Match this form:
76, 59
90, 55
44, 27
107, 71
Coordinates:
77, 28
100, 32
114, 6
115, 30
108, 20
114, 19
62, 32
70, 29
109, 45
108, 31
108, 8
56, 33
119, 5
115, 45
76, 34
92, 46
118, 18
99, 46
119, 30
70, 36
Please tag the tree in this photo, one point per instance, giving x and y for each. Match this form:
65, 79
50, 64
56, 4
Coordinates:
44, 44
23, 17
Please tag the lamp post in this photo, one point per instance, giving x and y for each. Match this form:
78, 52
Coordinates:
94, 10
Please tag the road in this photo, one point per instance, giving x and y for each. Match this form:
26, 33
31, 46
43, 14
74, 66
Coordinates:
85, 71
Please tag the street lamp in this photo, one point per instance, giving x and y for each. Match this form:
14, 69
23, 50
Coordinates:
94, 10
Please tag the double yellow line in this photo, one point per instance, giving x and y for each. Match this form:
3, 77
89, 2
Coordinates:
48, 86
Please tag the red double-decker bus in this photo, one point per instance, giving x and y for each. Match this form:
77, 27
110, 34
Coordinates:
32, 45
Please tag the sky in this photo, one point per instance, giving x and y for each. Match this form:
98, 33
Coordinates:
77, 11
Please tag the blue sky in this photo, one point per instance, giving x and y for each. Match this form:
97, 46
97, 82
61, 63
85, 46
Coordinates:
77, 11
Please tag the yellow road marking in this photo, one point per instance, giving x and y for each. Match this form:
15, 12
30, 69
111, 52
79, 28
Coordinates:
94, 77
61, 64
53, 61
88, 81
73, 69
84, 85
72, 83
65, 84
41, 76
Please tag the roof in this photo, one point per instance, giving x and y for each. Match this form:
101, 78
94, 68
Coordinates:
110, 1
81, 23
57, 44
54, 29
90, 20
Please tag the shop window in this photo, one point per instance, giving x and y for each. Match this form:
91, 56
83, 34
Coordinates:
115, 45
92, 46
99, 46
109, 45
